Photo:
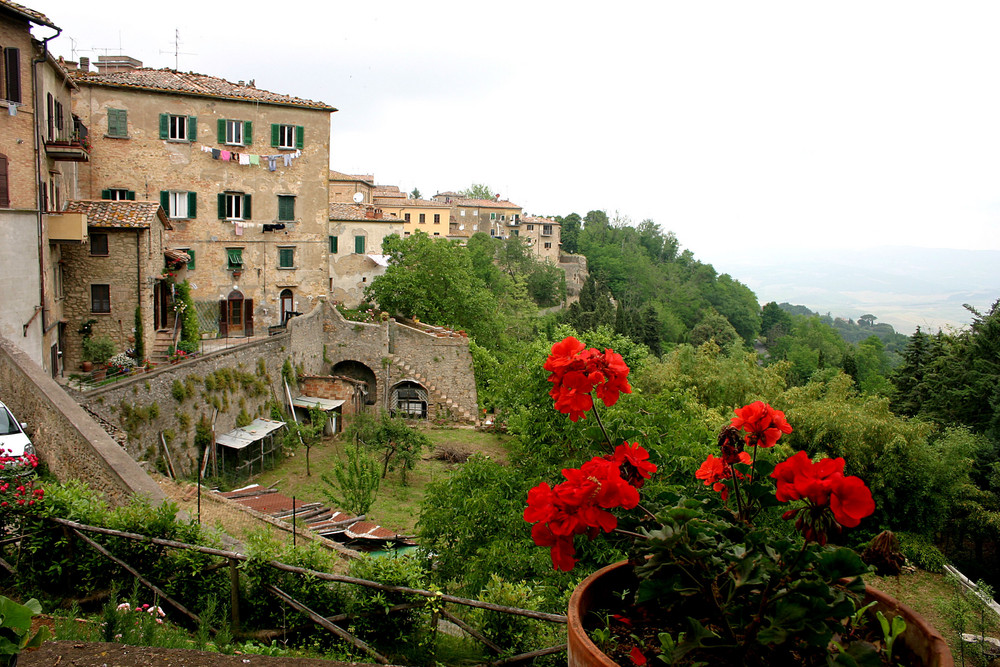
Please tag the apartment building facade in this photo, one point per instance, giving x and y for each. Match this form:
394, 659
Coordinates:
241, 173
41, 148
356, 232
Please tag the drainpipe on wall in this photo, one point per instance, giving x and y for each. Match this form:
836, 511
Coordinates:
40, 183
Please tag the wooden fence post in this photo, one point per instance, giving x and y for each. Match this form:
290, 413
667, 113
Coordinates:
234, 595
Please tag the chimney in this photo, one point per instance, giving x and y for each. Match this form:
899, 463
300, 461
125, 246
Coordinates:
84, 64
109, 64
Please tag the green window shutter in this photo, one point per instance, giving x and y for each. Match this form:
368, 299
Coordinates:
164, 126
300, 136
246, 207
222, 130
130, 195
222, 206
286, 208
117, 123
192, 205
105, 194
247, 133
275, 130
333, 245
235, 257
359, 245
192, 128
191, 262
165, 202
286, 258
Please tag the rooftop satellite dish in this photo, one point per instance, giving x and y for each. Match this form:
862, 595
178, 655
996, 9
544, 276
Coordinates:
359, 197
461, 228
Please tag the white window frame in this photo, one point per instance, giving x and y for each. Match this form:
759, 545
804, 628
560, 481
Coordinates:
177, 128
118, 194
234, 132
286, 136
178, 204
234, 205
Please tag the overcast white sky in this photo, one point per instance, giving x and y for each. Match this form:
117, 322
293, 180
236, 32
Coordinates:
746, 128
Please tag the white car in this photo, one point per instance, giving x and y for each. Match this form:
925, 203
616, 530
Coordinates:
14, 442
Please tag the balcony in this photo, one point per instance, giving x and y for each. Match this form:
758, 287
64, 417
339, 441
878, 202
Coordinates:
67, 227
71, 149
67, 150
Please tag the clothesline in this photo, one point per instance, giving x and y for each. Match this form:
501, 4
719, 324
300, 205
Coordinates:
239, 226
252, 159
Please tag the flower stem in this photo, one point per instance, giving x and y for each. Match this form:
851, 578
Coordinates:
597, 415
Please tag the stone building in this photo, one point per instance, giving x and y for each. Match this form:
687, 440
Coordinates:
425, 215
41, 146
542, 235
344, 188
468, 216
355, 243
241, 173
120, 267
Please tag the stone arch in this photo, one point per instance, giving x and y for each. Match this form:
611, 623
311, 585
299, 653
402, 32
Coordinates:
359, 371
409, 399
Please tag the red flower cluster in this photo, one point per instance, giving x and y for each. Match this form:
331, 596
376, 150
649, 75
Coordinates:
580, 505
763, 424
714, 471
576, 372
821, 485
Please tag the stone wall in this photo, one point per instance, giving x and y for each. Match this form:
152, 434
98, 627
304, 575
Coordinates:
65, 437
234, 381
575, 267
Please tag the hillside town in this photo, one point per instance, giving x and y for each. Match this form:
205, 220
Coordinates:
118, 182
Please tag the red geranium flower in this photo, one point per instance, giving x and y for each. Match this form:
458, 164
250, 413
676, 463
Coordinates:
577, 373
822, 485
636, 656
763, 424
714, 471
636, 459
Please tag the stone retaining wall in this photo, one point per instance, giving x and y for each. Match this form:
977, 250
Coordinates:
65, 437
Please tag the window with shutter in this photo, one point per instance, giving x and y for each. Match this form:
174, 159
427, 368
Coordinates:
234, 206
359, 245
190, 253
98, 244
286, 208
4, 187
100, 298
12, 74
117, 123
234, 257
233, 132
333, 245
286, 258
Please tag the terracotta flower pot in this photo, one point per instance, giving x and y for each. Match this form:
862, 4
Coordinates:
920, 638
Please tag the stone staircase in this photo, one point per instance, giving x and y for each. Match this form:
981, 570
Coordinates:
434, 396
162, 342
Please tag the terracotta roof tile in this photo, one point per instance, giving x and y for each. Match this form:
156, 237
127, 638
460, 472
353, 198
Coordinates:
483, 203
538, 220
189, 83
356, 212
416, 203
124, 214
30, 14
364, 178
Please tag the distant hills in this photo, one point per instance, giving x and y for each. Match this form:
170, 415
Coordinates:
903, 286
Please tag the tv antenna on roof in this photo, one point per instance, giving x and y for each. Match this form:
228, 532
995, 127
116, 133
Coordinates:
177, 49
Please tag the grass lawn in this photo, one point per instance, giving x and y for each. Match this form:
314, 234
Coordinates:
397, 507
926, 592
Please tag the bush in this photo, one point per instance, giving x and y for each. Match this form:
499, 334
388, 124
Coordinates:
513, 633
98, 349
920, 551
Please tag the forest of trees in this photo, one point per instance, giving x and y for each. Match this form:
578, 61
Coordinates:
917, 417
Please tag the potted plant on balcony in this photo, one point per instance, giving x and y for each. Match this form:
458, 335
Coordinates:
716, 576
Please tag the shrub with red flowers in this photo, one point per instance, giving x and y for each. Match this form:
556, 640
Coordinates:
718, 584
19, 492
